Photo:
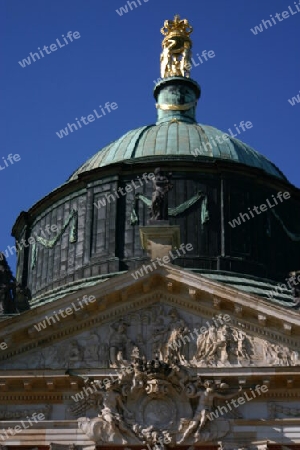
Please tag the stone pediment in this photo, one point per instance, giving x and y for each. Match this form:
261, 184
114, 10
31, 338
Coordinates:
171, 313
149, 361
162, 330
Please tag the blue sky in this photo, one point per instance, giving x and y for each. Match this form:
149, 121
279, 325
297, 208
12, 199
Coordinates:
116, 59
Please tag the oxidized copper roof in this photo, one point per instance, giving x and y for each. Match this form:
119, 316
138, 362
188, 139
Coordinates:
178, 139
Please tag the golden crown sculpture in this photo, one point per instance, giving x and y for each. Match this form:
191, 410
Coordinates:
176, 55
176, 27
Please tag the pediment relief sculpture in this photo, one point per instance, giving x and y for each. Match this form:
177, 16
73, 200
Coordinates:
164, 332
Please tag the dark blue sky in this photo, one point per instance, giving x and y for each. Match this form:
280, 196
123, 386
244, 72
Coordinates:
116, 59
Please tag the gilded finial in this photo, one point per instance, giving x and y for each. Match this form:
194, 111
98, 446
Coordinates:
175, 59
177, 27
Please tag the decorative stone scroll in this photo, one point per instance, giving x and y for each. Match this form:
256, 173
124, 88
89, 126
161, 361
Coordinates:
274, 410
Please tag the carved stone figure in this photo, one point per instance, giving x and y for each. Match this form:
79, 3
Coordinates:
91, 349
153, 437
110, 425
207, 344
222, 347
241, 351
7, 288
118, 345
180, 374
175, 352
22, 298
177, 348
205, 405
113, 408
140, 344
296, 285
158, 339
224, 344
139, 367
276, 355
213, 345
161, 186
74, 355
283, 356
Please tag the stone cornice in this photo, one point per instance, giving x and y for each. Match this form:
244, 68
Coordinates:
45, 386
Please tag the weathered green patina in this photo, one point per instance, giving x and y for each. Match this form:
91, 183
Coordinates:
177, 139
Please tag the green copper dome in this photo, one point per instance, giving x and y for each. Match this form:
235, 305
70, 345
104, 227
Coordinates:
176, 134
174, 140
